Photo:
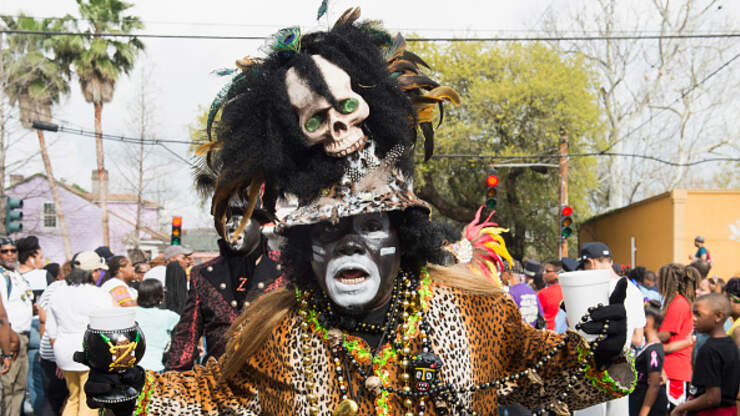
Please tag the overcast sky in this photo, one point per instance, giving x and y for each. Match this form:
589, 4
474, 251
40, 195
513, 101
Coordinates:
181, 69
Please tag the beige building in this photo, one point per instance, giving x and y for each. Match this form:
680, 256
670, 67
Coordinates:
661, 229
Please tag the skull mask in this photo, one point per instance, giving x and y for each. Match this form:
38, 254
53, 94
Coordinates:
337, 129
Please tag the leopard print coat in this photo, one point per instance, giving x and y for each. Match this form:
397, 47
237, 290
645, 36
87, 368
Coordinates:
478, 338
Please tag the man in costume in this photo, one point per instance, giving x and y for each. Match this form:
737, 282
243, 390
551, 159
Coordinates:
368, 324
220, 288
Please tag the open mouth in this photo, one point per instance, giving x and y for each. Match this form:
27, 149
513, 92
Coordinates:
422, 386
352, 276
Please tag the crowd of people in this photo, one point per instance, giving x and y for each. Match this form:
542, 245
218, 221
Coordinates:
45, 311
681, 322
682, 329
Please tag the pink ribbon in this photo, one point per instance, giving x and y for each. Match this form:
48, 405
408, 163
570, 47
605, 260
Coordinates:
654, 359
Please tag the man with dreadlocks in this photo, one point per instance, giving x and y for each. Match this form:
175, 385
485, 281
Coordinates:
677, 283
369, 323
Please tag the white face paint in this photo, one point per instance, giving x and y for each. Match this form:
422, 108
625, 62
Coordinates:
356, 260
346, 293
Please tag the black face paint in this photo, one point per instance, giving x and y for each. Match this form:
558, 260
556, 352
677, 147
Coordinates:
355, 262
249, 238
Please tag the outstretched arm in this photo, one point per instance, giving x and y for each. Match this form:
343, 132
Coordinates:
570, 372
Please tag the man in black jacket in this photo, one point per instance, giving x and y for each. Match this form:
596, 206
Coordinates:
220, 288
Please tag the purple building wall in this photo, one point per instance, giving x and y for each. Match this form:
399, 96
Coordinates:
83, 217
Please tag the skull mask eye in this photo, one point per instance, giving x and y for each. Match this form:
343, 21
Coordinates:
348, 106
338, 127
313, 123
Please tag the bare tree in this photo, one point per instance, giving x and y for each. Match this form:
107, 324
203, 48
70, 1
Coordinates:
141, 168
656, 95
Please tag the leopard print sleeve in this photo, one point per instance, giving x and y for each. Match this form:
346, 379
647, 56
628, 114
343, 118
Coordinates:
557, 371
199, 391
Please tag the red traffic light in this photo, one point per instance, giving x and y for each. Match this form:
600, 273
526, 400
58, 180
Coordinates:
567, 211
176, 221
492, 180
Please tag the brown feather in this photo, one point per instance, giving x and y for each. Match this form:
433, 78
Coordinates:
428, 131
398, 48
208, 147
348, 17
444, 93
407, 82
226, 187
254, 192
414, 58
401, 65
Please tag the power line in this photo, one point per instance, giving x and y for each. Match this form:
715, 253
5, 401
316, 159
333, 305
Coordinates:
683, 94
414, 39
162, 142
281, 25
590, 154
124, 139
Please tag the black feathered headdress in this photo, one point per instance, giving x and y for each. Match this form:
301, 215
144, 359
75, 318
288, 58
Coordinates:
261, 146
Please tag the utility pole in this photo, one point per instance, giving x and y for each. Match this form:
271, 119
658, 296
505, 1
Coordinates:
3, 120
563, 191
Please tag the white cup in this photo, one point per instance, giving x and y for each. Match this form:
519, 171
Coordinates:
113, 319
581, 290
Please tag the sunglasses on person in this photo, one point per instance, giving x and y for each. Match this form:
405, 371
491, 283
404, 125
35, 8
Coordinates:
733, 298
8, 250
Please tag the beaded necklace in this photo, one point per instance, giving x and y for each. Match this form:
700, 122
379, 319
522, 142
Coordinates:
375, 368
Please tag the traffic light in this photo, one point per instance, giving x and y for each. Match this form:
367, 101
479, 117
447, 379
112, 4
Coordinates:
566, 221
491, 191
13, 215
176, 237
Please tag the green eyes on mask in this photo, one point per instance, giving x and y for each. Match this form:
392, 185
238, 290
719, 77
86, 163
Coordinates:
347, 106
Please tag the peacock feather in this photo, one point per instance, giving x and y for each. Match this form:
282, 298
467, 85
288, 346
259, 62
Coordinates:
322, 9
285, 43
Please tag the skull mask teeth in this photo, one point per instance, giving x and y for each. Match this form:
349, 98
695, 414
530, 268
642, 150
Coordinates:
337, 129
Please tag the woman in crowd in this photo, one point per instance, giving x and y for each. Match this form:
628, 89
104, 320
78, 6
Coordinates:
67, 318
156, 323
678, 285
117, 280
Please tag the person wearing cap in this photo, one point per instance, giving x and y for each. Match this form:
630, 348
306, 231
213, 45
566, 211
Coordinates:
597, 256
220, 288
701, 252
533, 274
369, 323
17, 298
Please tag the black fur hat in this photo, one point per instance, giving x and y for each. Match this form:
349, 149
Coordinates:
260, 149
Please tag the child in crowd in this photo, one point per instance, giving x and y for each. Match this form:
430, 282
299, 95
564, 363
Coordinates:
649, 398
716, 379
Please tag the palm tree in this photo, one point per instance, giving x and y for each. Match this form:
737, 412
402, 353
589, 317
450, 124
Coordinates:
35, 82
99, 66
